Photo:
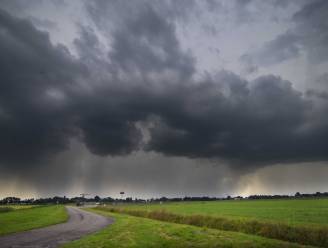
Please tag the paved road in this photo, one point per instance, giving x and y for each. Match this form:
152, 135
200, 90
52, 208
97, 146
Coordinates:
79, 224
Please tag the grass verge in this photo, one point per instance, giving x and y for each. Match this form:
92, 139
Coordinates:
30, 218
316, 236
132, 232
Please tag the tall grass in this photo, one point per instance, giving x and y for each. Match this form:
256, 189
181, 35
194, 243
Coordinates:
316, 236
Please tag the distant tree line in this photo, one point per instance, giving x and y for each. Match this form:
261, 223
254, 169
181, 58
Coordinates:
110, 200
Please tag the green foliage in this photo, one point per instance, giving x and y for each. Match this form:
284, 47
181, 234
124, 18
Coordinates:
30, 218
131, 232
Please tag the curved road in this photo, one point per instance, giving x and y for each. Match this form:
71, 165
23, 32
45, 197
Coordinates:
80, 223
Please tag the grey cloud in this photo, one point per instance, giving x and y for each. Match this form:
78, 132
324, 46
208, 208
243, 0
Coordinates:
222, 116
245, 12
248, 64
43, 23
145, 55
18, 5
148, 44
145, 77
34, 125
285, 179
319, 89
309, 35
284, 47
249, 123
312, 23
316, 93
107, 14
22, 7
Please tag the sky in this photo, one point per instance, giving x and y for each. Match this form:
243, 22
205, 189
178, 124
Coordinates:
163, 98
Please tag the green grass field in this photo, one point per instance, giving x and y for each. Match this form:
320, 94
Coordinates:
294, 212
29, 218
302, 221
245, 223
133, 232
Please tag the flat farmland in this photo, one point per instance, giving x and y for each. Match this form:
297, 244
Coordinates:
302, 221
134, 232
294, 212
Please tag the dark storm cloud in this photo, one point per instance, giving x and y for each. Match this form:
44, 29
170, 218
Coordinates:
32, 124
316, 93
244, 12
218, 116
145, 83
43, 23
148, 44
312, 22
248, 64
285, 46
308, 35
19, 7
221, 116
250, 123
118, 11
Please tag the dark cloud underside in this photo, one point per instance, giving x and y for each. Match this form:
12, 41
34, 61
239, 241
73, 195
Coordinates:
146, 83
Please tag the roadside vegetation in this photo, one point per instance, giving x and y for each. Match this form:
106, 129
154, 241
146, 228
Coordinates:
262, 218
128, 231
29, 218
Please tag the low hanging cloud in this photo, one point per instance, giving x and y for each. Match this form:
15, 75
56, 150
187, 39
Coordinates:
146, 84
34, 122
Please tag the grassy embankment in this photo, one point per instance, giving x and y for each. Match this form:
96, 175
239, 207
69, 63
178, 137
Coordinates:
128, 231
30, 218
300, 221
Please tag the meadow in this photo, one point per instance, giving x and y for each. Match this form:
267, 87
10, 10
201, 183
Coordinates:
233, 223
303, 221
135, 232
292, 211
20, 218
